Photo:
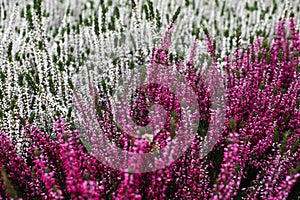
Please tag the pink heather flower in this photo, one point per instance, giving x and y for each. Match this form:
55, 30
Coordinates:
256, 157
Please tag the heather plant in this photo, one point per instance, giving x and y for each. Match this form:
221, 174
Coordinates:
51, 52
45, 44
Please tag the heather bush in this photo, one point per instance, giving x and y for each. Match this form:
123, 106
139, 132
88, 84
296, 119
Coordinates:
53, 51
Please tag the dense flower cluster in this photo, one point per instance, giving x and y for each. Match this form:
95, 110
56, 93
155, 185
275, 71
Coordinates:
51, 51
256, 157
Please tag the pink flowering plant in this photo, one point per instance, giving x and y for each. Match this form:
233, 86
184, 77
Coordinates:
180, 130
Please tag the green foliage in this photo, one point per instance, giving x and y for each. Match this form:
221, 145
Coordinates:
232, 125
29, 17
284, 142
8, 185
175, 16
